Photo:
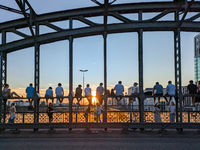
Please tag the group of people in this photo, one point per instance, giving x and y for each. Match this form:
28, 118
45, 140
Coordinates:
191, 91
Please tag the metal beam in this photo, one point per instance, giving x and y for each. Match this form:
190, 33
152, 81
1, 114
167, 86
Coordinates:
86, 21
120, 17
98, 11
105, 59
46, 23
165, 12
19, 33
98, 30
12, 10
193, 17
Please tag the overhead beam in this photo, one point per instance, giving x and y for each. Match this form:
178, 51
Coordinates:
98, 11
98, 30
12, 10
193, 17
120, 17
46, 23
86, 21
19, 33
165, 12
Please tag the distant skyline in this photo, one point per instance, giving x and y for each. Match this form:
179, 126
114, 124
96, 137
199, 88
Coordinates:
122, 54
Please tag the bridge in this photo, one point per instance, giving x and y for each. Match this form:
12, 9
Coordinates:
33, 21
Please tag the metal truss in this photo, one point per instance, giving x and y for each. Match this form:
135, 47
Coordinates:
83, 15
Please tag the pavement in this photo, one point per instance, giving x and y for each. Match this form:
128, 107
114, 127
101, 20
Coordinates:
100, 144
99, 139
98, 133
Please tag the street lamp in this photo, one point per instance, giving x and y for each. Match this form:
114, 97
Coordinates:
83, 76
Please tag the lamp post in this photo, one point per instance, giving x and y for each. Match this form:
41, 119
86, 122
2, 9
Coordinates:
83, 76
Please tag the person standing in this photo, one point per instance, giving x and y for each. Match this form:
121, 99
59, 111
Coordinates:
49, 95
98, 112
172, 112
119, 91
49, 112
159, 91
88, 94
170, 91
12, 110
30, 92
192, 89
78, 93
59, 93
99, 93
157, 113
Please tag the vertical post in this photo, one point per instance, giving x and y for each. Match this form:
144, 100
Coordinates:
70, 71
105, 59
37, 75
177, 65
3, 75
140, 59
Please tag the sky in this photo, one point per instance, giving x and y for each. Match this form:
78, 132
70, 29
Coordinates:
122, 53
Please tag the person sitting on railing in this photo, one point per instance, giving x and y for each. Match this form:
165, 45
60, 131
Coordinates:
159, 91
50, 112
7, 92
59, 93
170, 90
88, 94
119, 91
30, 92
78, 94
99, 93
49, 95
134, 94
191, 89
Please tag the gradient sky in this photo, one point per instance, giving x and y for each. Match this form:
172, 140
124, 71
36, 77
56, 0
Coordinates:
88, 53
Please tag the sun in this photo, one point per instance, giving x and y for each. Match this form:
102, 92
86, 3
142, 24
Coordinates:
94, 99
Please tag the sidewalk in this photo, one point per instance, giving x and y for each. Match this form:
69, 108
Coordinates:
98, 133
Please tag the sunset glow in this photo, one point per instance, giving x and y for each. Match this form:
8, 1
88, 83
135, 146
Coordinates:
94, 99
